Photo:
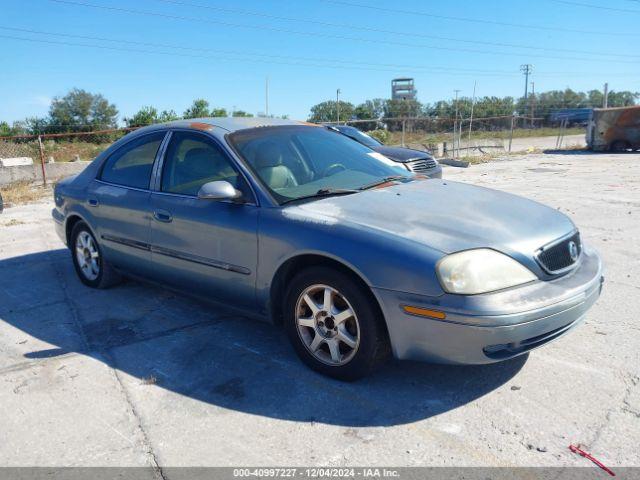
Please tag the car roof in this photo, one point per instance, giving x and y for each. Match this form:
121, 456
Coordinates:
231, 124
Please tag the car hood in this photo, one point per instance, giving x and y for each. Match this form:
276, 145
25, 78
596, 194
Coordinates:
445, 215
400, 154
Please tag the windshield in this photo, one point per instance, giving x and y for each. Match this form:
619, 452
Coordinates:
302, 161
360, 136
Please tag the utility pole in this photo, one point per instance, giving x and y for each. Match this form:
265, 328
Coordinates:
533, 101
338, 104
266, 96
473, 103
455, 122
526, 69
605, 99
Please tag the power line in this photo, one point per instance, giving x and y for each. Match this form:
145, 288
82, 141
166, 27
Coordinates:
598, 7
267, 61
476, 20
303, 61
335, 64
379, 30
236, 52
315, 34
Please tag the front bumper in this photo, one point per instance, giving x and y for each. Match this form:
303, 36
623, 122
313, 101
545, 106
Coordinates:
435, 172
495, 326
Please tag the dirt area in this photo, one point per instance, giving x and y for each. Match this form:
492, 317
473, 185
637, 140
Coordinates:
140, 376
23, 192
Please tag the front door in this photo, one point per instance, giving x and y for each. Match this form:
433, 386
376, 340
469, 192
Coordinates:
205, 246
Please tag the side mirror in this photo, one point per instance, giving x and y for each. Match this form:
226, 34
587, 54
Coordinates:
219, 190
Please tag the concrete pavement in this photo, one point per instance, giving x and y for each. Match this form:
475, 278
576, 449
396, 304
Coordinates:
141, 376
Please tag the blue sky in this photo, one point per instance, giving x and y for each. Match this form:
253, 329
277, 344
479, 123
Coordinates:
223, 51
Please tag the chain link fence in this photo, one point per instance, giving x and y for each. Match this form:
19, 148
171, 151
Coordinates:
41, 152
39, 157
464, 137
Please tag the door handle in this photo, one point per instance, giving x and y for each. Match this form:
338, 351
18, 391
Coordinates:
92, 202
162, 216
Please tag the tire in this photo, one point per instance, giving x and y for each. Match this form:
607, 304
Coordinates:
94, 271
619, 146
345, 341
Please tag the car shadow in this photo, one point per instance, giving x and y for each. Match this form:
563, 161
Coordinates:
215, 356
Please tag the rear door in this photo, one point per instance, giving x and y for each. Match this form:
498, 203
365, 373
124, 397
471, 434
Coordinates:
119, 200
207, 247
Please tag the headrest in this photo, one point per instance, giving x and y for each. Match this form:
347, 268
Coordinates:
199, 160
268, 155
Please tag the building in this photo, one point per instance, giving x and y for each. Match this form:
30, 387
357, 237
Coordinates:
403, 89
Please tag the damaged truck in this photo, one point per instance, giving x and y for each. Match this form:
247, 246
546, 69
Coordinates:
614, 129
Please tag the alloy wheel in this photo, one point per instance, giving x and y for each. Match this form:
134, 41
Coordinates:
327, 325
87, 255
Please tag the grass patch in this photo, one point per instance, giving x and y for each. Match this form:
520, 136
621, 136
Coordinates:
13, 223
23, 192
395, 138
61, 151
69, 151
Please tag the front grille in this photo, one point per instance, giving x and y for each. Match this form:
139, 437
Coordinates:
557, 257
421, 165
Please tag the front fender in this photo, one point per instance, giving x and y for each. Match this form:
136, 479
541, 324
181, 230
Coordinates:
382, 260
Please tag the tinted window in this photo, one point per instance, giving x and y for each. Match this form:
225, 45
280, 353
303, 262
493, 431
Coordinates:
193, 160
131, 165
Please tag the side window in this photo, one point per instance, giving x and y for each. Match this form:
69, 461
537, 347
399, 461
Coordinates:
193, 160
131, 165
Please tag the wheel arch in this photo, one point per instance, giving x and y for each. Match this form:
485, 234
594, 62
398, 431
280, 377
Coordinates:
70, 222
612, 145
288, 269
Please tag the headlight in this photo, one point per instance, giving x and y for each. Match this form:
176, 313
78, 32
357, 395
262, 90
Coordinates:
480, 271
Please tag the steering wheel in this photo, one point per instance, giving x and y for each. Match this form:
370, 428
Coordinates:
333, 169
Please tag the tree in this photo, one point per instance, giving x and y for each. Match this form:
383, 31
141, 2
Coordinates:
168, 116
241, 113
623, 99
218, 112
144, 116
327, 112
400, 109
149, 115
369, 109
5, 129
36, 125
596, 98
18, 128
80, 109
199, 108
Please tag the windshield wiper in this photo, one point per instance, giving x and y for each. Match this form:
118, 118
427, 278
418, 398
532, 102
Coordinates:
323, 192
382, 182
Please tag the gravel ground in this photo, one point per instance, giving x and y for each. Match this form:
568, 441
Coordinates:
140, 376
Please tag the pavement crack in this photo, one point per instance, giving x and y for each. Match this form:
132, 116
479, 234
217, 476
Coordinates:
149, 451
153, 459
625, 407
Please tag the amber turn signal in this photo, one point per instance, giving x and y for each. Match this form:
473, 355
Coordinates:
424, 312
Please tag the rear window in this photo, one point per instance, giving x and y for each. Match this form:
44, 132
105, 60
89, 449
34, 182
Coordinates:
131, 165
